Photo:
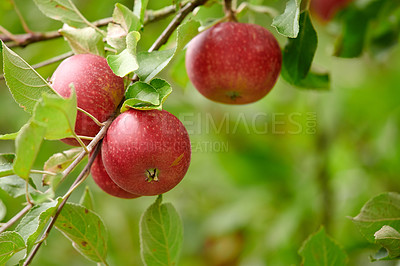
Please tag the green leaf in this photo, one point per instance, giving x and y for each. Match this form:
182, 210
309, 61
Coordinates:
57, 114
144, 96
57, 163
124, 63
86, 231
287, 23
27, 145
35, 221
298, 53
313, 80
87, 199
126, 18
161, 234
25, 84
3, 211
83, 41
354, 30
10, 243
139, 9
15, 186
10, 136
320, 250
389, 238
6, 164
151, 63
381, 210
62, 10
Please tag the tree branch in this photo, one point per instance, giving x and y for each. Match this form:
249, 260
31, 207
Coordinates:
93, 144
32, 37
16, 217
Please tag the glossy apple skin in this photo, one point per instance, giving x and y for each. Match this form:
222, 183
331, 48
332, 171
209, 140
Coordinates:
234, 63
138, 142
327, 9
103, 180
98, 90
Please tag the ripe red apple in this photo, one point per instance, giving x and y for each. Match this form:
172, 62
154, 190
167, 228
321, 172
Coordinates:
98, 90
327, 9
146, 152
103, 180
234, 63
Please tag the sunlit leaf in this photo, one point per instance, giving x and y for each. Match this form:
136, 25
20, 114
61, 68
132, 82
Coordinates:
287, 23
3, 210
25, 84
10, 243
126, 18
139, 9
320, 250
84, 41
62, 10
86, 231
161, 234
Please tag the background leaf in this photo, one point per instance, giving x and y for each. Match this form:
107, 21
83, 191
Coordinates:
83, 41
381, 210
15, 186
389, 238
6, 164
25, 84
10, 243
287, 23
161, 234
62, 10
86, 231
320, 250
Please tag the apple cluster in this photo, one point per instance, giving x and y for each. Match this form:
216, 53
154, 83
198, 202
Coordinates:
143, 153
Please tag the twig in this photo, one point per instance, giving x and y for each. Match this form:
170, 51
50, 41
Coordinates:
49, 61
21, 18
32, 37
16, 217
229, 13
157, 44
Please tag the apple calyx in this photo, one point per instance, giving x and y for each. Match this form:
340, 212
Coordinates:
152, 174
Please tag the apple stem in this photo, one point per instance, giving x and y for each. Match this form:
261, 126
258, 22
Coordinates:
229, 13
152, 175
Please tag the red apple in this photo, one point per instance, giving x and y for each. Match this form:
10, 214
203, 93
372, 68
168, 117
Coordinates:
234, 63
98, 90
146, 152
327, 9
103, 180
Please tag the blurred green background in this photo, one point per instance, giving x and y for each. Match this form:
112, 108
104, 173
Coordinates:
263, 176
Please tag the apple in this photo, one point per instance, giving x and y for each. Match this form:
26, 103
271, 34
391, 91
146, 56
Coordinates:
98, 90
327, 9
103, 180
146, 152
234, 63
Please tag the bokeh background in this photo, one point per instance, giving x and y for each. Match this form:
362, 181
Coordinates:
263, 176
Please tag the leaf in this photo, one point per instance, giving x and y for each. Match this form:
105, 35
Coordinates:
287, 23
87, 199
320, 250
15, 186
35, 221
25, 84
10, 136
313, 80
57, 163
298, 53
381, 210
125, 62
139, 9
3, 211
27, 145
57, 114
62, 10
161, 234
389, 238
126, 18
83, 41
86, 231
6, 164
10, 243
144, 96
354, 30
116, 37
151, 63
